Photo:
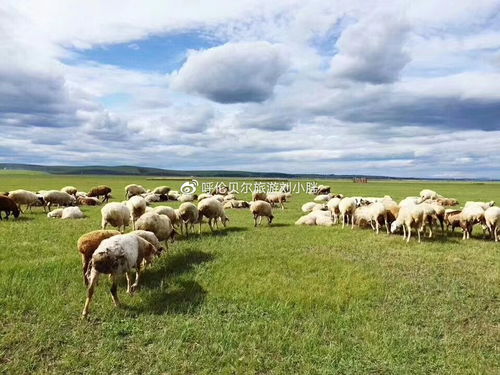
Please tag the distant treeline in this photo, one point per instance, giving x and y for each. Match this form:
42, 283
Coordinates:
126, 170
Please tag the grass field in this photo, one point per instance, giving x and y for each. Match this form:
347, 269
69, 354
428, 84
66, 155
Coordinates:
270, 300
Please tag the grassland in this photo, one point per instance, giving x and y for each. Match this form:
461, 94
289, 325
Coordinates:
268, 300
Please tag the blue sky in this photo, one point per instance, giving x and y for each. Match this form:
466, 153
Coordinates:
371, 87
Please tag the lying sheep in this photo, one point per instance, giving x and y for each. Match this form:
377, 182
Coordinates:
151, 198
115, 214
213, 210
72, 213
8, 206
219, 197
117, 255
447, 202
24, 197
409, 216
88, 243
320, 218
492, 219
101, 190
88, 201
428, 194
260, 209
322, 189
204, 196
323, 198
55, 214
173, 195
189, 214
137, 207
187, 197
59, 198
409, 201
161, 190
483, 205
312, 206
160, 225
71, 190
236, 204
134, 189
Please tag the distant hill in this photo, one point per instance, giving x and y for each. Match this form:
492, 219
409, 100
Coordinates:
126, 170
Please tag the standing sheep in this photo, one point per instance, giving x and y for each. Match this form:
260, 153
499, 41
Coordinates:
408, 217
8, 206
58, 197
161, 190
189, 214
24, 197
133, 189
117, 255
492, 219
171, 213
213, 210
115, 214
274, 198
160, 225
259, 196
101, 190
137, 207
347, 206
260, 209
471, 214
71, 190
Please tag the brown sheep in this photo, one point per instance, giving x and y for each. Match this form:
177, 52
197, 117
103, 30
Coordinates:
88, 243
100, 190
85, 201
8, 206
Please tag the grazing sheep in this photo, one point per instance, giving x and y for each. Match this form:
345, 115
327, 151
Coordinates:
71, 190
137, 207
371, 214
492, 219
8, 206
323, 198
409, 216
151, 198
204, 196
101, 190
117, 255
173, 195
320, 218
72, 213
483, 205
80, 194
256, 196
219, 197
213, 210
346, 209
115, 214
189, 214
58, 197
151, 238
55, 214
471, 214
187, 198
171, 213
88, 201
160, 225
333, 207
161, 190
453, 219
134, 189
260, 209
24, 197
88, 243
275, 198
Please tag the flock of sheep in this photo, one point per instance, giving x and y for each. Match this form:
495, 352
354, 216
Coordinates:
114, 253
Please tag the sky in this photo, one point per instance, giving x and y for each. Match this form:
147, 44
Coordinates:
399, 88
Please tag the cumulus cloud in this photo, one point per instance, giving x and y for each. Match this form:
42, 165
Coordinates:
233, 72
372, 50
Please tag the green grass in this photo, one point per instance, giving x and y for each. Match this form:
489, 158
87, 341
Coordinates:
268, 300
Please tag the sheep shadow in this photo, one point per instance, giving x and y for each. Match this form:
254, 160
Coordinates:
278, 225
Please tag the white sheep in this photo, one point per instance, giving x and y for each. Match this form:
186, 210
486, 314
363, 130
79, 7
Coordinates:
58, 197
72, 213
483, 205
137, 207
115, 214
230, 197
312, 206
320, 218
151, 198
71, 190
115, 256
24, 197
333, 207
204, 196
213, 210
173, 195
187, 197
409, 216
170, 212
260, 209
161, 190
492, 219
372, 213
134, 189
160, 225
151, 238
428, 194
275, 198
347, 206
55, 214
471, 214
409, 201
219, 197
323, 198
189, 215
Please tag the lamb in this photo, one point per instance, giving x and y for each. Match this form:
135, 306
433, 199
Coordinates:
371, 214
115, 214
259, 196
87, 201
55, 214
320, 218
161, 190
492, 219
9, 206
71, 190
72, 213
170, 212
117, 255
428, 194
187, 198
260, 209
346, 209
483, 205
408, 217
323, 198
58, 197
137, 207
471, 214
280, 198
213, 210
24, 197
88, 243
101, 190
133, 189
189, 214
160, 225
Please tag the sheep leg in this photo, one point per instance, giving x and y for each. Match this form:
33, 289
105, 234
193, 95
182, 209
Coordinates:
254, 220
409, 234
404, 232
114, 289
135, 286
343, 220
260, 220
351, 218
282, 206
418, 235
371, 224
386, 224
377, 226
210, 224
187, 229
129, 283
94, 277
86, 262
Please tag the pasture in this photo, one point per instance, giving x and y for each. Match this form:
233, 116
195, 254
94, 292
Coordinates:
284, 299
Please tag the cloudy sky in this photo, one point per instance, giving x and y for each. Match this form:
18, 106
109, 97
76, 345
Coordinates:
403, 88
